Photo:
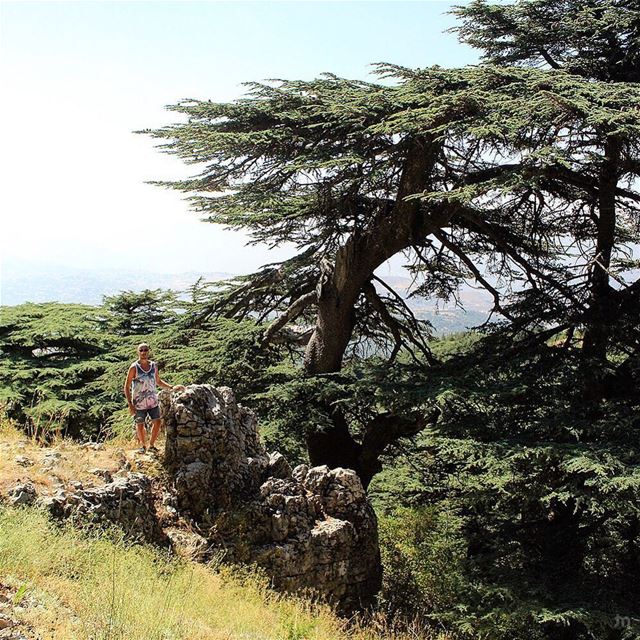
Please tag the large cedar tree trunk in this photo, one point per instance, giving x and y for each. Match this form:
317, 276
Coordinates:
601, 304
338, 290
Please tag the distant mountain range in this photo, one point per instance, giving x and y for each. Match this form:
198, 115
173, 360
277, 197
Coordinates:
27, 282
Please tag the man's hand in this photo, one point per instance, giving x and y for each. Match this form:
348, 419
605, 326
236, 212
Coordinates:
132, 410
179, 387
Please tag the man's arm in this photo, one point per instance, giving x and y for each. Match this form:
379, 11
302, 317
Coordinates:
164, 385
127, 389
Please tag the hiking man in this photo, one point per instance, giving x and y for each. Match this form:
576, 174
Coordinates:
140, 389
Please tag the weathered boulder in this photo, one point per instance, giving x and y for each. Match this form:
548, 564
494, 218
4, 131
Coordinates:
51, 459
189, 544
278, 467
320, 533
308, 528
126, 501
103, 474
22, 494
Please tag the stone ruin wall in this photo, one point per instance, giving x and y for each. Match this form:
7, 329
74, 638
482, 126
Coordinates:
308, 528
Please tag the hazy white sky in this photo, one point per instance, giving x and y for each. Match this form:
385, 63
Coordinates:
79, 77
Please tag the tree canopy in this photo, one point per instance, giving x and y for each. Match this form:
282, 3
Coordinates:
504, 463
516, 178
595, 39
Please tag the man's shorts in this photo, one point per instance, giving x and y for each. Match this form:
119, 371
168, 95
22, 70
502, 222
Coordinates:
141, 414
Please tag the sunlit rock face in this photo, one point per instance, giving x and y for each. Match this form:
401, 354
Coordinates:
213, 452
308, 528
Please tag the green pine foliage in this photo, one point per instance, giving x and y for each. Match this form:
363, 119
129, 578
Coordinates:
63, 366
221, 352
507, 459
590, 38
515, 516
52, 354
137, 313
539, 490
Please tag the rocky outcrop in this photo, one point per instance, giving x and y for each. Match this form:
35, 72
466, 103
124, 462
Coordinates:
308, 528
213, 451
318, 532
22, 494
126, 501
224, 496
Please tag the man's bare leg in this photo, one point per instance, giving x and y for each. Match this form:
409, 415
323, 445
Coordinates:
155, 430
141, 433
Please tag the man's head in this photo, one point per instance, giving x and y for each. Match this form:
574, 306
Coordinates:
143, 350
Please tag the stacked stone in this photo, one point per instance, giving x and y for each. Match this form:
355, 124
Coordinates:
343, 500
320, 533
308, 528
127, 502
283, 511
213, 450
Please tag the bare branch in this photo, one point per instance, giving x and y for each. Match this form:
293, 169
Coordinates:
377, 303
442, 236
414, 324
494, 232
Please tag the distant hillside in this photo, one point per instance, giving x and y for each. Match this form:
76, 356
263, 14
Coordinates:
446, 318
28, 282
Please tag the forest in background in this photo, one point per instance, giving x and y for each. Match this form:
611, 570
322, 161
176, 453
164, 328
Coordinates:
503, 462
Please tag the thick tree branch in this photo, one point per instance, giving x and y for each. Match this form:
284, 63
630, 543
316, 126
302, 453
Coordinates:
292, 335
557, 173
385, 429
388, 232
292, 312
548, 59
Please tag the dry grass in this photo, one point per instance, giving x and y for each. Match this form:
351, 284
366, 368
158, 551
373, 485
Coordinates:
75, 463
63, 583
89, 587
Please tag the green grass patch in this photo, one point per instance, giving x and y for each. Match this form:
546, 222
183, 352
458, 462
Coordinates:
98, 587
